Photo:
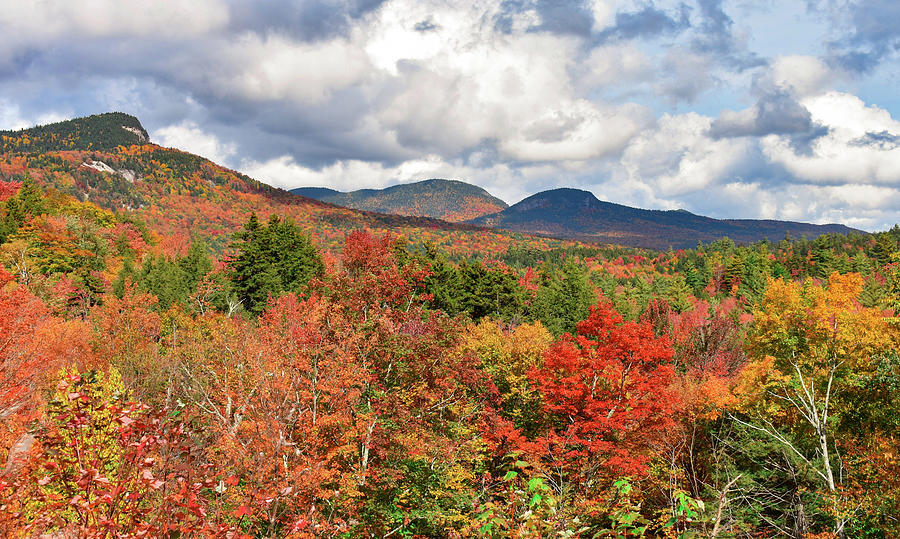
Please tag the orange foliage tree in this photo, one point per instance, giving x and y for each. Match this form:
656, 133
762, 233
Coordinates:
33, 346
606, 394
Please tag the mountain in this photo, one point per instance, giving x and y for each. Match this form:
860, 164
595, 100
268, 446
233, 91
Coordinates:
317, 193
576, 214
450, 200
97, 132
107, 159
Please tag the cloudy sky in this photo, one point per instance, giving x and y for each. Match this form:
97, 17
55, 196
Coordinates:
784, 109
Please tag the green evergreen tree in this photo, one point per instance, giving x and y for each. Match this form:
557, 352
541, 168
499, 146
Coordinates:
31, 197
444, 283
11, 218
163, 278
195, 264
756, 269
565, 299
126, 274
29, 201
883, 249
678, 294
270, 259
485, 291
170, 280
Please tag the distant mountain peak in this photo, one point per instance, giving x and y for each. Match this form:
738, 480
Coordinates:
577, 214
97, 132
562, 196
450, 200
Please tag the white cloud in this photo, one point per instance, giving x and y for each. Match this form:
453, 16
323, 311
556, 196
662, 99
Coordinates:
864, 197
680, 157
347, 175
678, 164
684, 76
189, 137
616, 65
107, 18
577, 131
464, 85
275, 68
844, 155
801, 75
11, 117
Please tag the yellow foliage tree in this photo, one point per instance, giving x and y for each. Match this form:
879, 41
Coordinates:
508, 354
808, 344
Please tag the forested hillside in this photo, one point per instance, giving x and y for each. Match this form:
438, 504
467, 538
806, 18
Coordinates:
181, 195
450, 200
185, 352
97, 132
577, 214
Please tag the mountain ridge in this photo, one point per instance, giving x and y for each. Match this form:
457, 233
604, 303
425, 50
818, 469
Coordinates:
577, 214
108, 158
181, 196
96, 132
449, 200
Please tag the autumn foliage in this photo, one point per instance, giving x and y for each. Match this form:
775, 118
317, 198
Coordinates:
606, 394
312, 375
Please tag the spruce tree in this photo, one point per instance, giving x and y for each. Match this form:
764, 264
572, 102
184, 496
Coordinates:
444, 283
565, 299
679, 294
270, 259
31, 197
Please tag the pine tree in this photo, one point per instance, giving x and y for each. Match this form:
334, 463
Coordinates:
679, 294
443, 283
196, 264
31, 197
565, 299
270, 259
27, 202
488, 291
883, 249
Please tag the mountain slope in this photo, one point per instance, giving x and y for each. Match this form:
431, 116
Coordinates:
450, 200
106, 159
98, 132
576, 214
182, 196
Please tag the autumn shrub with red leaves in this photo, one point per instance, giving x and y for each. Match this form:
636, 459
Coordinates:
8, 189
606, 395
103, 467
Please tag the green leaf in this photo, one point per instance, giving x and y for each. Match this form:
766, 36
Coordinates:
623, 486
510, 475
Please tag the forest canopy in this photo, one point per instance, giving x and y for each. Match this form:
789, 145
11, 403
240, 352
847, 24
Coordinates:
379, 384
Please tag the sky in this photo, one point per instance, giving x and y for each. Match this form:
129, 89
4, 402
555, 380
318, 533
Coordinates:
773, 109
